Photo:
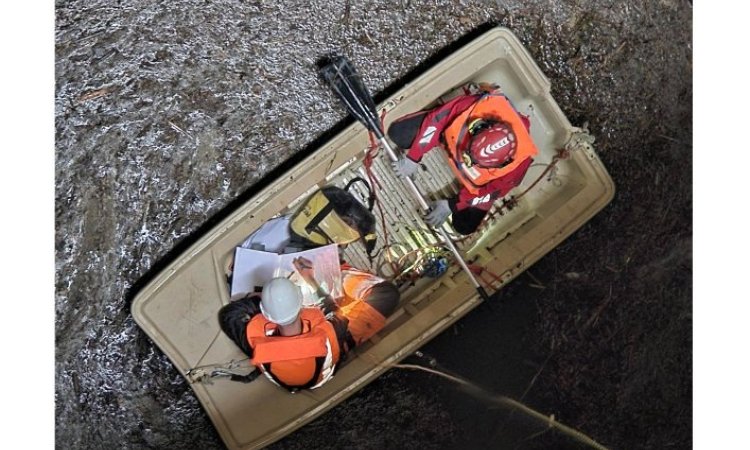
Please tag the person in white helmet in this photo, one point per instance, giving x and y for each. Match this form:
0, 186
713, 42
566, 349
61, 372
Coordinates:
294, 346
298, 347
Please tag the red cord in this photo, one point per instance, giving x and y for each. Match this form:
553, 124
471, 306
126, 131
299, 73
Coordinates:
479, 271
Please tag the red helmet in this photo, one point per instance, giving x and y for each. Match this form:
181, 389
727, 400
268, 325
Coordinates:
493, 146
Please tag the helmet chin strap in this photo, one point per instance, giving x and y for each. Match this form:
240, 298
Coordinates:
479, 124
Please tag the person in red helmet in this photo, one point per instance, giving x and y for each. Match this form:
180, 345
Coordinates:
488, 145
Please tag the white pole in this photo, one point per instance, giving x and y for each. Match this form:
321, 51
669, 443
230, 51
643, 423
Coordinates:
423, 203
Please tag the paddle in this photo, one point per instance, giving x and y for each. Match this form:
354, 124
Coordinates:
343, 79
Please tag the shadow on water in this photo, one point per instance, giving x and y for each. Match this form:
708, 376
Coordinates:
503, 366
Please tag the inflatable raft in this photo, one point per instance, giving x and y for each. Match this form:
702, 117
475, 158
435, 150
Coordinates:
178, 308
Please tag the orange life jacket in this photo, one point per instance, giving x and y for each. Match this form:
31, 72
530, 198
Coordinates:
491, 106
364, 320
302, 361
356, 284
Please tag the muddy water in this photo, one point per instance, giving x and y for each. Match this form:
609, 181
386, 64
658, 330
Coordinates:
168, 110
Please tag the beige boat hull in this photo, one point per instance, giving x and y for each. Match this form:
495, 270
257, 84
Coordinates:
178, 308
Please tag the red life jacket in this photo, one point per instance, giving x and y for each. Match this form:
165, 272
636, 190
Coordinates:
295, 362
491, 106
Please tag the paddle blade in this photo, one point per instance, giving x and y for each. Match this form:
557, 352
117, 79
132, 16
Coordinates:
343, 79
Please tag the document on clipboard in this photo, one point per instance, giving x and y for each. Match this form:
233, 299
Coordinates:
253, 269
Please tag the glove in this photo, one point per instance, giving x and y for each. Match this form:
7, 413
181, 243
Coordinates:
439, 211
404, 167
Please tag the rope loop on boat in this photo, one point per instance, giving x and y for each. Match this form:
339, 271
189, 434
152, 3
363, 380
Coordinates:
207, 372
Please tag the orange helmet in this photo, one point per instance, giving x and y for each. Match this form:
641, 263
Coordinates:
493, 144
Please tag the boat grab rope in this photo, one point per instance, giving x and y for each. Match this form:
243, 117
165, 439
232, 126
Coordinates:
512, 201
206, 373
562, 153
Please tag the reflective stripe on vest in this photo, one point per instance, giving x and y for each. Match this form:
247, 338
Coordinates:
364, 319
357, 283
488, 107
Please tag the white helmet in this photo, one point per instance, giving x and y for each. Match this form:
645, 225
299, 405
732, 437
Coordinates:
281, 301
